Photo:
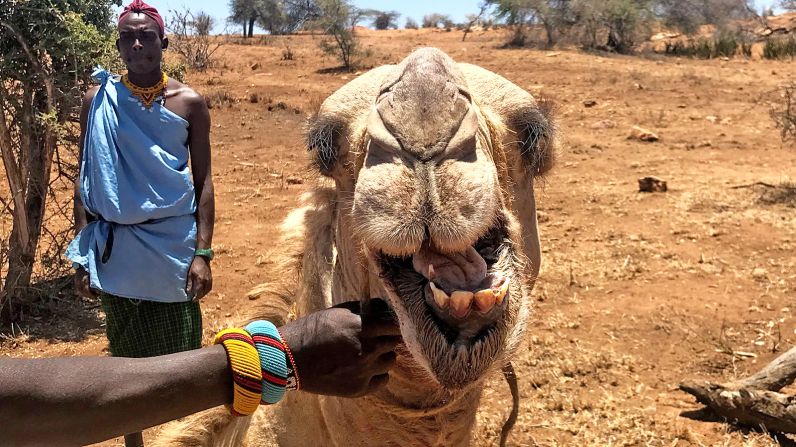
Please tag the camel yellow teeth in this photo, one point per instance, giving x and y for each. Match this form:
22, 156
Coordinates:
460, 303
440, 297
485, 300
501, 291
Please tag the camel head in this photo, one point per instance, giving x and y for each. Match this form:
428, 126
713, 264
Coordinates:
437, 176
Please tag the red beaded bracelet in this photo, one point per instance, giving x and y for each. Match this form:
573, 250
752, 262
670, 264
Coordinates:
293, 381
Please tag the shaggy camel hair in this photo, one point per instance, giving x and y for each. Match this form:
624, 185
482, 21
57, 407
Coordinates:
426, 199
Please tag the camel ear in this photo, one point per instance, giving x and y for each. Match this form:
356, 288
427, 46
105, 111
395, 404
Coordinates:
536, 132
323, 142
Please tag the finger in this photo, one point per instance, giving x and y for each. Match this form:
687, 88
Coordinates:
189, 285
372, 327
200, 288
353, 306
377, 382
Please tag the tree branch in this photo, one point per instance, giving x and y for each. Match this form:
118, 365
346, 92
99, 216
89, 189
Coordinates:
754, 408
16, 179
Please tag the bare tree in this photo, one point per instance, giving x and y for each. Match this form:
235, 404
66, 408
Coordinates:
411, 23
435, 20
190, 38
473, 19
338, 19
553, 15
203, 23
784, 112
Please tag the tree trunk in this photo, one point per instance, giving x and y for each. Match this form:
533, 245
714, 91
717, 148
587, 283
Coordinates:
251, 27
771, 411
754, 401
37, 142
21, 257
550, 31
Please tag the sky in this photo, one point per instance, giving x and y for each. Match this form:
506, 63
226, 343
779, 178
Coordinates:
219, 9
416, 9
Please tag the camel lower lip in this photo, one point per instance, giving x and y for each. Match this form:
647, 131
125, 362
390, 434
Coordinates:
464, 305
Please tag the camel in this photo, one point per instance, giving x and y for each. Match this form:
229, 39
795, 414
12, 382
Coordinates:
426, 199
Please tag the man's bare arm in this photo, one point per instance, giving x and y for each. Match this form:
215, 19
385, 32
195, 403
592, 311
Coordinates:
199, 142
81, 219
200, 277
80, 401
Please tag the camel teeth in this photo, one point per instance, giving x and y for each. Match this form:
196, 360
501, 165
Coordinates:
460, 303
501, 291
440, 297
485, 300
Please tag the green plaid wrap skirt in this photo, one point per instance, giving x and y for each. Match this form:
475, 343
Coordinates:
140, 328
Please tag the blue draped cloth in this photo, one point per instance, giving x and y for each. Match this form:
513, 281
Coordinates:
136, 183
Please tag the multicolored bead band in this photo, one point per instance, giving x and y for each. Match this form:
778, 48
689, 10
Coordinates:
247, 377
273, 360
293, 381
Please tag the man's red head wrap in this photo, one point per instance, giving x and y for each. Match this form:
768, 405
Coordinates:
143, 8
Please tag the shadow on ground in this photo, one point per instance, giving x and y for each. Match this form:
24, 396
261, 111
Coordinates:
54, 313
705, 414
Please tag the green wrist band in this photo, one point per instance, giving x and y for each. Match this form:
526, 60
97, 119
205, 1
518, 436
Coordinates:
205, 252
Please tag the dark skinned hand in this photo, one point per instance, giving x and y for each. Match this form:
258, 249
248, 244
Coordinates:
339, 352
83, 284
200, 279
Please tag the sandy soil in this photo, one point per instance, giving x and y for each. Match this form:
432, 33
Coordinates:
637, 291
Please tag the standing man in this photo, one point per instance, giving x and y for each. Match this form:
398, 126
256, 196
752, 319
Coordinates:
144, 228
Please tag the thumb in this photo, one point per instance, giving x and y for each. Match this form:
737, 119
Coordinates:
189, 284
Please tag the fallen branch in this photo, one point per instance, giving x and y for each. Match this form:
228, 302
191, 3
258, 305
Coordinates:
751, 185
775, 376
768, 410
753, 401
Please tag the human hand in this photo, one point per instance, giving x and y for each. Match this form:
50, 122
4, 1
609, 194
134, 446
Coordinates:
200, 278
83, 284
340, 353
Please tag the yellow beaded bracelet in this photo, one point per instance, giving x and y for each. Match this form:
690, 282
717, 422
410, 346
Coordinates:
247, 376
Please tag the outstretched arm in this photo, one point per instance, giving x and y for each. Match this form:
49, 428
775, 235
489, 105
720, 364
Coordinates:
82, 400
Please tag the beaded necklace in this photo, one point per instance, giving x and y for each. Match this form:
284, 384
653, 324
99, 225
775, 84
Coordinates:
147, 95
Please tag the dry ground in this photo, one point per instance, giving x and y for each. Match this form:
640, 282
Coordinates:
637, 291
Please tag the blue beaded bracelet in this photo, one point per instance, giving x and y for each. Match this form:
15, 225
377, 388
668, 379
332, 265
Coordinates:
272, 359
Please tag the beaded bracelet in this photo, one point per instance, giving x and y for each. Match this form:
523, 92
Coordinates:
247, 377
273, 359
293, 381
